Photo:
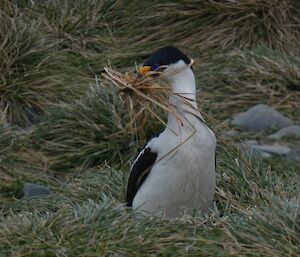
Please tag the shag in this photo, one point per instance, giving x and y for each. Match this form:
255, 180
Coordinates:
174, 173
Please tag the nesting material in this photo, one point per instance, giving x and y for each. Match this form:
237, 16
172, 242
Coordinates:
143, 95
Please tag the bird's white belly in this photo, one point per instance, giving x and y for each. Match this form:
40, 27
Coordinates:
183, 177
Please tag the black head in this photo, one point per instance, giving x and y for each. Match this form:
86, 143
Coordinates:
164, 56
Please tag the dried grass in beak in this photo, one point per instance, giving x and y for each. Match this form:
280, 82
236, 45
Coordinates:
140, 94
143, 94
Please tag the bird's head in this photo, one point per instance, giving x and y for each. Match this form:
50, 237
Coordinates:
168, 60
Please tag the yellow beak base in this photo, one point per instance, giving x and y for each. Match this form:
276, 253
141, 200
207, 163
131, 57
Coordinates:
144, 69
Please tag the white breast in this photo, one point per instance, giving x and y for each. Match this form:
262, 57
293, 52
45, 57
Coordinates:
183, 177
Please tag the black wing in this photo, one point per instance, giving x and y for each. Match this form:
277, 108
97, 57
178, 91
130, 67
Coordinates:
139, 172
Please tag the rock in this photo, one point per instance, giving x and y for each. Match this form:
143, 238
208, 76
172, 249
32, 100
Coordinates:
291, 131
252, 147
294, 154
34, 190
275, 149
230, 133
260, 117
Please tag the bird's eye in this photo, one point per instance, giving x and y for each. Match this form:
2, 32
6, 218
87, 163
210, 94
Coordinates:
155, 66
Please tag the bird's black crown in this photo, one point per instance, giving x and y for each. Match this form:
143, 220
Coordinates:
166, 56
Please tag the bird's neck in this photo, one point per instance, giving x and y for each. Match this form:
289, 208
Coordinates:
183, 99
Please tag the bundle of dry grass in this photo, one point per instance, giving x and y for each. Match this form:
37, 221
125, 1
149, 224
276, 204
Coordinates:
144, 95
140, 94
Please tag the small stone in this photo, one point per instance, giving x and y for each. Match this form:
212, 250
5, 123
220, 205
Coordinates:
260, 117
34, 190
291, 131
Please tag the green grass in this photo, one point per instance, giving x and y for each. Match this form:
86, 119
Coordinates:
34, 73
256, 214
85, 133
79, 140
79, 26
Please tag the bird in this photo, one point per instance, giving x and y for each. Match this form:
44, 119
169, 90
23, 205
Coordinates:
174, 173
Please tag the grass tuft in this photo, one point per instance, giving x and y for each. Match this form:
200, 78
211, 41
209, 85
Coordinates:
87, 133
31, 70
207, 25
69, 221
79, 26
239, 79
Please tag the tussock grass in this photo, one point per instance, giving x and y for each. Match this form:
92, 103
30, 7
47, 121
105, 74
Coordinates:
264, 223
31, 70
18, 163
239, 79
244, 182
96, 183
9, 143
91, 131
81, 27
218, 24
282, 218
114, 232
8, 140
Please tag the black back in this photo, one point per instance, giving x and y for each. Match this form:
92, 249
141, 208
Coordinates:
139, 173
166, 56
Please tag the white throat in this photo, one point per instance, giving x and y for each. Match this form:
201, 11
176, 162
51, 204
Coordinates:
183, 99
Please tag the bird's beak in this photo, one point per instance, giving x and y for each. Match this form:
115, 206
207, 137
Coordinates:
144, 69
